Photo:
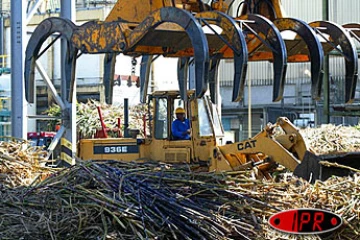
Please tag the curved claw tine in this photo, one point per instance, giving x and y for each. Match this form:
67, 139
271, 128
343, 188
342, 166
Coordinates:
341, 37
47, 27
194, 31
183, 67
213, 79
109, 72
316, 51
70, 66
239, 78
354, 28
277, 44
145, 67
237, 43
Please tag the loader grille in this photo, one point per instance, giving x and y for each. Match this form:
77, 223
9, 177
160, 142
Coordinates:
181, 157
170, 157
176, 156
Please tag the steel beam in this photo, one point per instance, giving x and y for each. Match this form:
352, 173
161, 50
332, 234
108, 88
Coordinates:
42, 117
69, 113
32, 11
18, 103
2, 29
326, 80
54, 143
50, 85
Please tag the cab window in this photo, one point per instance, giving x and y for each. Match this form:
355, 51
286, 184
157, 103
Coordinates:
177, 103
204, 120
161, 121
219, 131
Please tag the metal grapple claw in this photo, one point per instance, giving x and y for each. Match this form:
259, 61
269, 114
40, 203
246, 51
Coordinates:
52, 25
229, 44
234, 45
182, 73
340, 37
213, 79
314, 49
108, 77
267, 34
145, 66
194, 31
354, 30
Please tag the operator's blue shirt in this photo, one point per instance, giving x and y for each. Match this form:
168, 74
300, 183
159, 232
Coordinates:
179, 129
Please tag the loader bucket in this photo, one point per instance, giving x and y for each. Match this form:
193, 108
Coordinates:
311, 167
46, 28
340, 37
315, 50
260, 27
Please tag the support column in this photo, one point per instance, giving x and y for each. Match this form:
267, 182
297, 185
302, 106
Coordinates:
326, 80
18, 102
2, 29
69, 115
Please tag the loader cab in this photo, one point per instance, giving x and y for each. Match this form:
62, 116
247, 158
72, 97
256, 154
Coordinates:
163, 105
205, 126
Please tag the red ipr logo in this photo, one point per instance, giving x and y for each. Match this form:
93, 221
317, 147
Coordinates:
305, 221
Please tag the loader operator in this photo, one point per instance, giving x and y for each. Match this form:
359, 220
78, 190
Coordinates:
181, 126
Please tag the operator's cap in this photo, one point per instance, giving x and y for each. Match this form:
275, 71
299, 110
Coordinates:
179, 110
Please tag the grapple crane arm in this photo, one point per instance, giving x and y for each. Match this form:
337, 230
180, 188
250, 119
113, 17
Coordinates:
340, 37
314, 46
266, 33
45, 29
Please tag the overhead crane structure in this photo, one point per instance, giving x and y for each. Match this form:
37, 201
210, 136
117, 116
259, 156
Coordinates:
175, 29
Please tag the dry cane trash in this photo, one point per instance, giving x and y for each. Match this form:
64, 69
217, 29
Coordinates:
329, 138
22, 164
114, 200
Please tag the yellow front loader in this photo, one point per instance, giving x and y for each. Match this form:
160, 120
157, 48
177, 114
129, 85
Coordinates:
205, 151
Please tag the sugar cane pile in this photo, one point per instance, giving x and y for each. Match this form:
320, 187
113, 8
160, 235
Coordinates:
113, 200
329, 139
21, 164
88, 122
87, 117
